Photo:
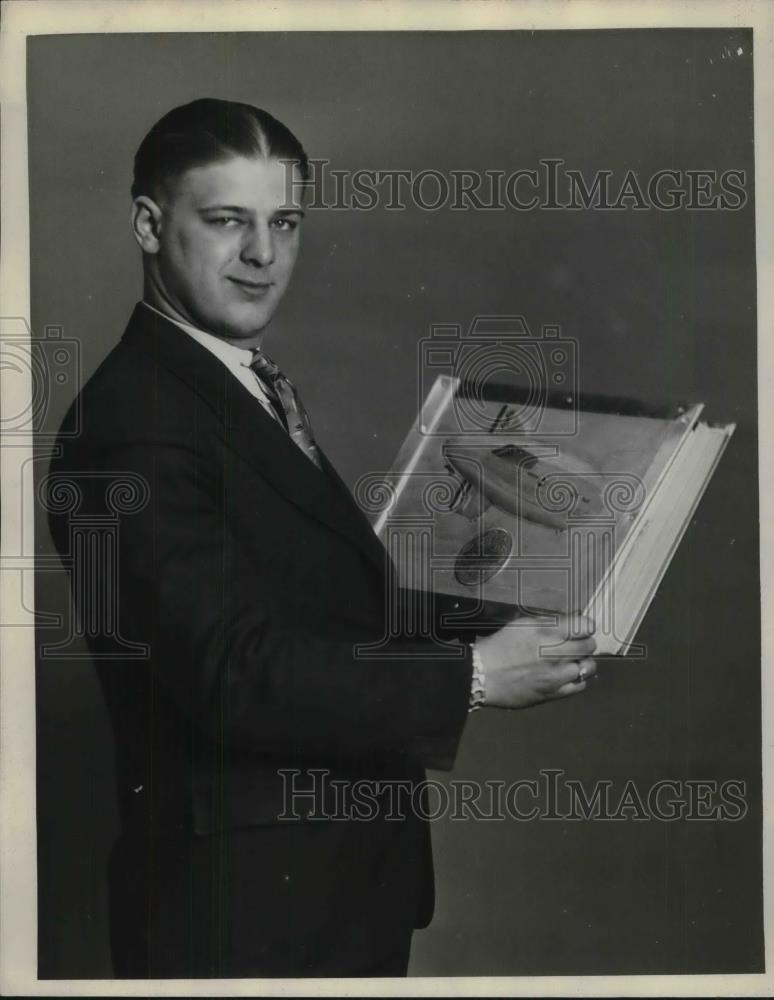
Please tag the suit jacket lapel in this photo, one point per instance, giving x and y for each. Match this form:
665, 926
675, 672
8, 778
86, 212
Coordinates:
252, 433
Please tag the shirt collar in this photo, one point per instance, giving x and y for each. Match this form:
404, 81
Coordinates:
229, 354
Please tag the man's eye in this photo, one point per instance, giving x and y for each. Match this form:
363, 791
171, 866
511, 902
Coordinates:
226, 221
285, 225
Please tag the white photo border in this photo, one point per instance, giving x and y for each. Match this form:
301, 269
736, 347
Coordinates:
20, 18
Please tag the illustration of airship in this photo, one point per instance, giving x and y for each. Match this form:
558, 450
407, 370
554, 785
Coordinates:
511, 478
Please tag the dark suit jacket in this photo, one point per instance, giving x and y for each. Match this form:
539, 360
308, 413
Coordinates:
251, 575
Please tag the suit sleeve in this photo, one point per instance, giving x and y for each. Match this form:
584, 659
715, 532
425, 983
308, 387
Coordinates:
243, 673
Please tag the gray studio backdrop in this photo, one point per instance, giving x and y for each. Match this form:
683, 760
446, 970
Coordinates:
663, 307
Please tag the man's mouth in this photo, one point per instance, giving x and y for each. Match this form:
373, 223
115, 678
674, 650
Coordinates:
252, 287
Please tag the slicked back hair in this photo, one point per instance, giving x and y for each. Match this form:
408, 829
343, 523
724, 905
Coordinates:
208, 131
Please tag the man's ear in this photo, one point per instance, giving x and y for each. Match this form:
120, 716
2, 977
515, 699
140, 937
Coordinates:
146, 224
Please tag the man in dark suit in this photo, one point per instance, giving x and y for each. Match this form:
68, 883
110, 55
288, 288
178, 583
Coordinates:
252, 577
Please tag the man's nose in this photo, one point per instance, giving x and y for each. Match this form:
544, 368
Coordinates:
258, 247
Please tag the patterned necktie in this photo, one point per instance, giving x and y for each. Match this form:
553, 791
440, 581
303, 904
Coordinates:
284, 399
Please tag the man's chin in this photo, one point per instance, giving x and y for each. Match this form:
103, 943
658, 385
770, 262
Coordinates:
245, 327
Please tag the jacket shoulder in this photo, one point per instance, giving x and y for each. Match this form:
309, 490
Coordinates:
131, 397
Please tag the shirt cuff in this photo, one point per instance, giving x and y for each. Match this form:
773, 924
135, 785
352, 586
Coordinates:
477, 685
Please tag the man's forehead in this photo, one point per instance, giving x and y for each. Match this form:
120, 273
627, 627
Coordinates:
250, 182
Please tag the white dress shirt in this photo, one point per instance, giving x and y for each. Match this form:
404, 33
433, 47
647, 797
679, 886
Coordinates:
236, 359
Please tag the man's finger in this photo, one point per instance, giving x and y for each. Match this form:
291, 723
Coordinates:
571, 688
573, 674
566, 673
576, 626
570, 649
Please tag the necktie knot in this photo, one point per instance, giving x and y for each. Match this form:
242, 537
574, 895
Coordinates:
264, 367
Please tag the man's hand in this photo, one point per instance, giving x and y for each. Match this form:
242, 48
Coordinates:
526, 664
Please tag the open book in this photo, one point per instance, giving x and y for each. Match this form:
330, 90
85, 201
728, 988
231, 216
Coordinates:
579, 507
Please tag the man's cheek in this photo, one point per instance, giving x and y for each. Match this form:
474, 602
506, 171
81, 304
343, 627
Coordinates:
288, 263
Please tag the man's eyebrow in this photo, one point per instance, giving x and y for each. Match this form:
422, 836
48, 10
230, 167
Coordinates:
246, 211
224, 208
